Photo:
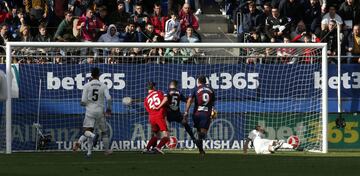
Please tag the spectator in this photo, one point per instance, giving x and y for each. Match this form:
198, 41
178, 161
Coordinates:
57, 14
5, 12
89, 26
253, 21
88, 60
276, 26
103, 15
64, 32
329, 36
352, 45
298, 35
131, 34
15, 24
312, 16
291, 9
38, 9
189, 37
4, 37
349, 14
25, 35
158, 21
309, 54
267, 10
43, 36
286, 55
111, 35
149, 34
172, 28
187, 19
78, 7
120, 18
140, 17
331, 15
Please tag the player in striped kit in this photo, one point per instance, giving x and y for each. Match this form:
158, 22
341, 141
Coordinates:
204, 99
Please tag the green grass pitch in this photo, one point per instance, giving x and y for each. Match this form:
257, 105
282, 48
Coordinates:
180, 164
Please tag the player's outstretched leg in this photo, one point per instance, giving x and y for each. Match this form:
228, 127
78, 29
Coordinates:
106, 141
90, 146
199, 142
90, 136
189, 131
152, 142
77, 144
163, 141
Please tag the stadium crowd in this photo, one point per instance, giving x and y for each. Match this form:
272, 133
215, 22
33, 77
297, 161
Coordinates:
176, 21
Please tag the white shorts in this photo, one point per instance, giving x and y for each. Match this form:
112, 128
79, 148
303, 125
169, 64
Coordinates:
98, 123
262, 146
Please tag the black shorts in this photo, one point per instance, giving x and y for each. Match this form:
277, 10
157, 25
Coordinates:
174, 117
201, 120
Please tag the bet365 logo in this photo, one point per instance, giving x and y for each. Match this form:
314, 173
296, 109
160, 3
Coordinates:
112, 80
224, 81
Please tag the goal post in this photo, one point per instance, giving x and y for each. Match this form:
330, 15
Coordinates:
281, 96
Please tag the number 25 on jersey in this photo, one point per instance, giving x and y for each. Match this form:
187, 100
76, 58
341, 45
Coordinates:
154, 101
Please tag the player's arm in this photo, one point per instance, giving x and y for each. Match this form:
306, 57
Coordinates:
108, 101
187, 107
246, 145
163, 102
146, 105
83, 101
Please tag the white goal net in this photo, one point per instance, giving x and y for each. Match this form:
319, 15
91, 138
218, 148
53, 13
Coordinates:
277, 86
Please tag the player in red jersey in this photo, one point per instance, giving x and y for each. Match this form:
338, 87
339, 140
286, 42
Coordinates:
156, 119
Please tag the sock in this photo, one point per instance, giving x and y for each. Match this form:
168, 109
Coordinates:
82, 139
89, 134
189, 131
106, 142
151, 142
199, 142
163, 141
287, 146
90, 145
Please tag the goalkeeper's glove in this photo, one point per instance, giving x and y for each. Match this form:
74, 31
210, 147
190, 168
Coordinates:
213, 114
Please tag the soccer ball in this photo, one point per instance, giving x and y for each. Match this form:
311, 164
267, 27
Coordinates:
294, 141
126, 101
172, 143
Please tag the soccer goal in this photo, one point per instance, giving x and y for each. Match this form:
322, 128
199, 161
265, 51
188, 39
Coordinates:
282, 87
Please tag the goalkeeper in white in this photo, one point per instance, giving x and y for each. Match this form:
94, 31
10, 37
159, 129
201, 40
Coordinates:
93, 98
262, 145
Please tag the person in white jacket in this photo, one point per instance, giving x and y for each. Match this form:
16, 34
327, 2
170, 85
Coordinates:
110, 36
172, 28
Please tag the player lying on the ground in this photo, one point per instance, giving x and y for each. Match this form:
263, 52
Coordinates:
156, 119
262, 145
93, 98
204, 100
172, 103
